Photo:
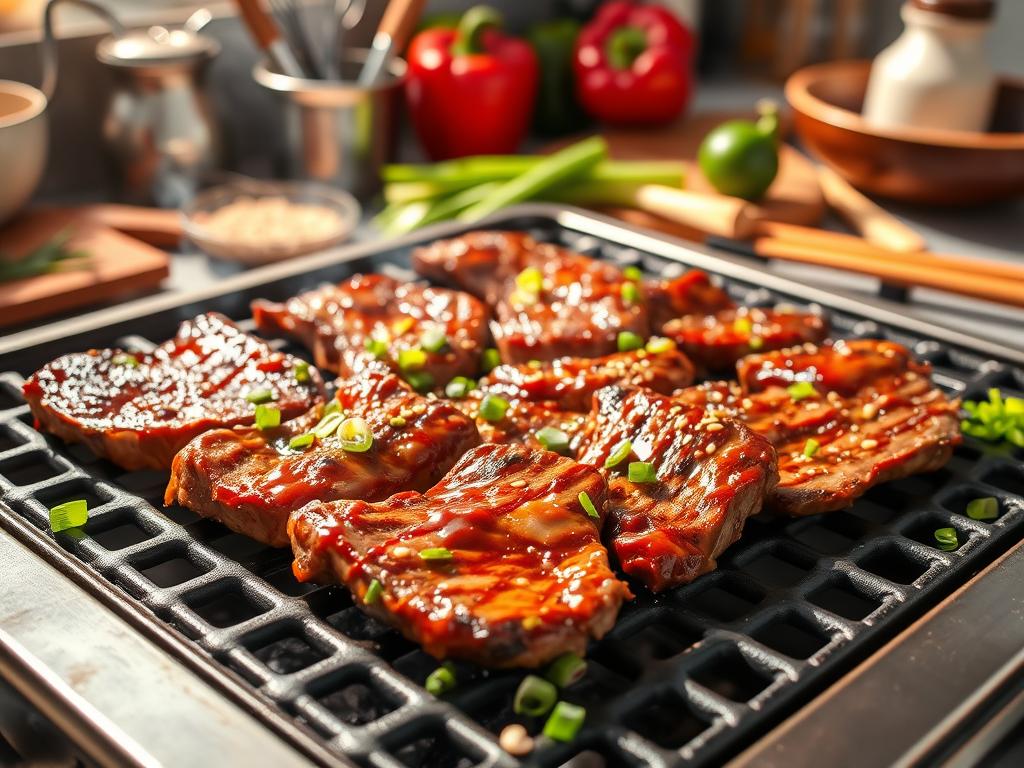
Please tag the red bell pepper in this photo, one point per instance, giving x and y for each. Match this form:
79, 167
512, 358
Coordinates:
633, 64
471, 89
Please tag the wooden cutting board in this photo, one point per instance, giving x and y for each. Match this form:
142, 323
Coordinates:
117, 265
794, 197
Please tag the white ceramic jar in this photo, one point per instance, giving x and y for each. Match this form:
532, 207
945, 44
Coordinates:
937, 73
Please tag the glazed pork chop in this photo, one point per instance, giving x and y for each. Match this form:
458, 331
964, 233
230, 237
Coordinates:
550, 302
139, 409
843, 418
250, 479
698, 478
428, 334
500, 563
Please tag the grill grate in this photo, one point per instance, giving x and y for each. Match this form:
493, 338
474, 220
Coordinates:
691, 676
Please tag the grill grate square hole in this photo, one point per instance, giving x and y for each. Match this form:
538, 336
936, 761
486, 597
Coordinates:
172, 572
238, 547
892, 564
1010, 479
10, 397
283, 580
436, 750
226, 609
667, 719
721, 603
9, 439
29, 468
768, 568
357, 703
118, 535
958, 500
843, 599
792, 635
923, 530
872, 512
730, 675
817, 537
75, 490
288, 654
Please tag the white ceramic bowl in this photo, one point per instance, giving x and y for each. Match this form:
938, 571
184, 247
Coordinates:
23, 139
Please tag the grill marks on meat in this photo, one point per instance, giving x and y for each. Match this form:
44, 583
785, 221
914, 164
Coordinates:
876, 417
335, 322
712, 474
528, 578
715, 342
138, 410
250, 480
580, 308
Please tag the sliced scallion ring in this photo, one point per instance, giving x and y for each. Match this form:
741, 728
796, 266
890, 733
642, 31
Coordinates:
801, 390
436, 554
459, 387
627, 341
70, 514
327, 426
493, 408
299, 442
433, 339
811, 447
983, 509
355, 435
946, 539
567, 669
411, 359
553, 439
441, 680
301, 371
534, 697
257, 396
377, 347
530, 280
373, 593
565, 722
633, 273
421, 381
642, 472
619, 454
587, 504
659, 345
490, 359
125, 359
267, 417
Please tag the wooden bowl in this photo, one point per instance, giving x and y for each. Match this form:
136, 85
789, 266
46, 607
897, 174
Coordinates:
917, 165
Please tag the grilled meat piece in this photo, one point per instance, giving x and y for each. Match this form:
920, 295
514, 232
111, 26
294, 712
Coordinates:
336, 321
712, 474
527, 578
872, 416
139, 409
522, 420
715, 342
250, 479
550, 302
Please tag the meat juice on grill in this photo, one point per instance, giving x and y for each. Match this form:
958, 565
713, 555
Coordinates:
500, 563
138, 409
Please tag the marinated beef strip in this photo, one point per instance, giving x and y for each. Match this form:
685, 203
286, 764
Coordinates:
843, 418
711, 475
336, 322
716, 342
549, 302
139, 409
499, 563
250, 479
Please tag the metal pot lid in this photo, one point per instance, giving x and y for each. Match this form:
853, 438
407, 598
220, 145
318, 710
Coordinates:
154, 46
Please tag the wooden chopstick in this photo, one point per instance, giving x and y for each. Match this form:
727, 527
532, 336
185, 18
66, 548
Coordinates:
975, 284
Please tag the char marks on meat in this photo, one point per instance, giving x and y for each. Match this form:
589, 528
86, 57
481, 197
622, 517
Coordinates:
871, 415
139, 409
527, 578
550, 302
712, 474
336, 321
250, 479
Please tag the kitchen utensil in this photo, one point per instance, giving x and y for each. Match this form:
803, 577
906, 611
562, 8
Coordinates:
23, 137
117, 265
339, 132
917, 165
195, 213
268, 37
300, 41
395, 28
345, 16
863, 215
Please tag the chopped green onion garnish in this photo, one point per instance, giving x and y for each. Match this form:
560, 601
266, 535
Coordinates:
534, 697
530, 280
302, 371
811, 447
587, 504
491, 359
618, 454
377, 347
801, 390
267, 417
258, 396
459, 387
411, 359
997, 418
983, 509
421, 381
755, 343
742, 325
630, 293
565, 722
659, 344
441, 680
433, 339
493, 408
567, 669
946, 539
401, 325
553, 439
628, 341
633, 273
328, 425
301, 441
535, 365
355, 435
332, 407
397, 421
70, 514
642, 472
436, 554
131, 361
373, 593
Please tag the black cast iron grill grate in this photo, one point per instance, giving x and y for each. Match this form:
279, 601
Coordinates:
689, 677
